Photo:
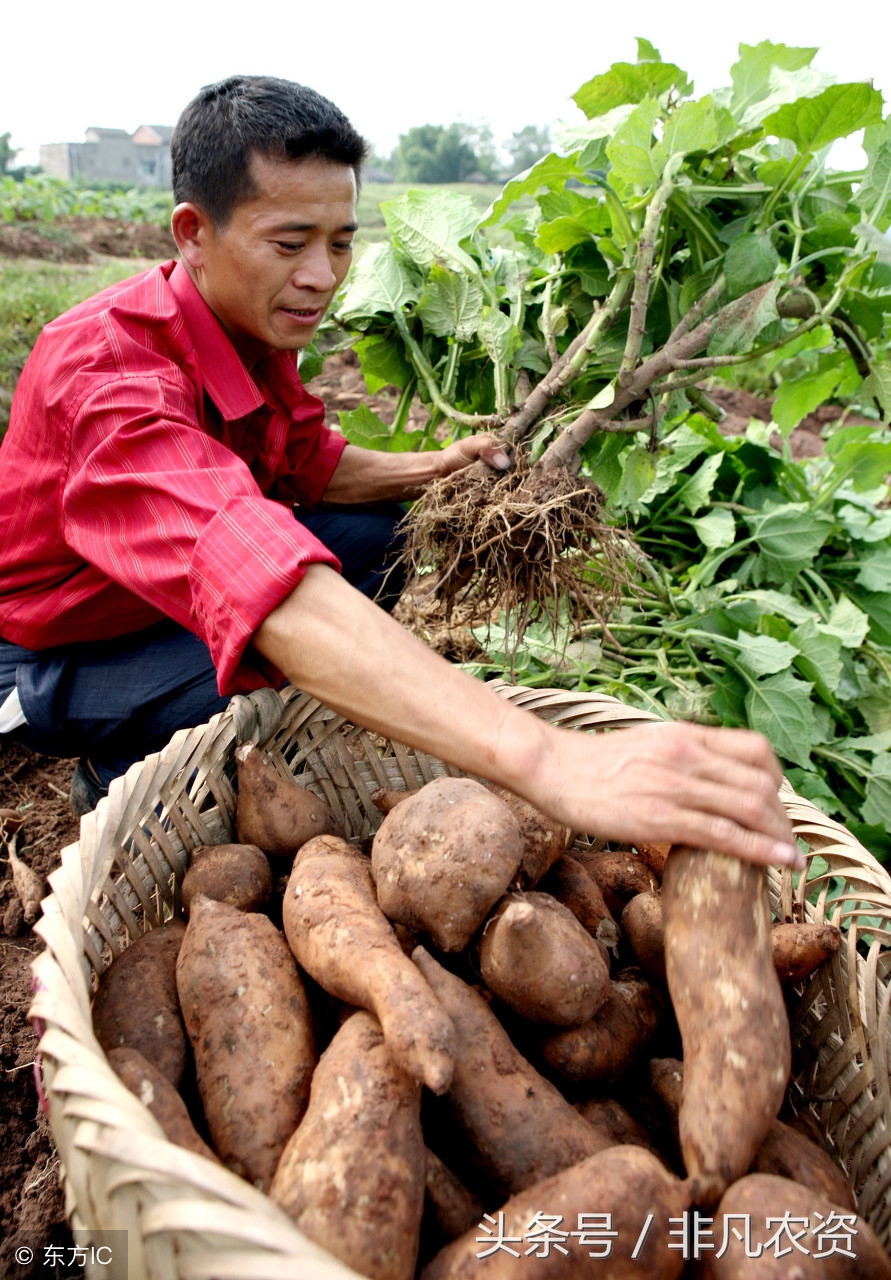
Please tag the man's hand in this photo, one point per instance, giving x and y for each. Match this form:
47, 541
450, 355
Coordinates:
694, 785
482, 448
365, 475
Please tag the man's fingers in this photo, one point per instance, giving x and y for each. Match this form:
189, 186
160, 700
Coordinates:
758, 833
483, 448
708, 788
742, 745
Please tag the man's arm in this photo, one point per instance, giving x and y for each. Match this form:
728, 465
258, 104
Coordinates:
367, 475
709, 788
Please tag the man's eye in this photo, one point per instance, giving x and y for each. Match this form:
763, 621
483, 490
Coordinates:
343, 246
291, 248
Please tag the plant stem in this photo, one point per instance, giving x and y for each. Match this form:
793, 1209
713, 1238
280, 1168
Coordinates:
570, 364
547, 325
646, 252
422, 365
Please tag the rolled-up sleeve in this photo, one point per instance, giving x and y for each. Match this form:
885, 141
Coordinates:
247, 560
178, 519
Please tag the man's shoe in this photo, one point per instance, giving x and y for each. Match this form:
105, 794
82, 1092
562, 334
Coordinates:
86, 789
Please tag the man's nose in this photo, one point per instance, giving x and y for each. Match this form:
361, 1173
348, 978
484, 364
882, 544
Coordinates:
314, 270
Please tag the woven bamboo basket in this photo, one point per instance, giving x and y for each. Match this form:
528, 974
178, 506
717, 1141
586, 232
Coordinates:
189, 1219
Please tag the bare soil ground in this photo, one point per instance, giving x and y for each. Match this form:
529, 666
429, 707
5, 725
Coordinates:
78, 239
32, 1211
31, 1201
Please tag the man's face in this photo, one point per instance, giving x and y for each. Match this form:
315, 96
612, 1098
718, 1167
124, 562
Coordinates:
271, 273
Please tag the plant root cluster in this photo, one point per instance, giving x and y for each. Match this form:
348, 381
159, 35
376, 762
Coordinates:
529, 542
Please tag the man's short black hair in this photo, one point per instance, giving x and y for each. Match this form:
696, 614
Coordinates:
229, 122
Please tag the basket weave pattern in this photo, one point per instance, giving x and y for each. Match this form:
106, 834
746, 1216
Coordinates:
187, 1217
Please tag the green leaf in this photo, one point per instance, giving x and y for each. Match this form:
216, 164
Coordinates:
552, 172
875, 570
815, 339
311, 363
846, 621
839, 110
693, 126
877, 605
451, 305
877, 242
497, 335
638, 474
877, 805
716, 530
861, 462
864, 525
874, 193
561, 234
751, 260
797, 397
579, 137
380, 283
695, 492
738, 324
382, 363
878, 386
430, 225
874, 743
814, 787
629, 82
729, 699
647, 52
753, 75
678, 451
363, 427
789, 538
762, 655
629, 150
779, 707
819, 658
602, 457
776, 602
876, 710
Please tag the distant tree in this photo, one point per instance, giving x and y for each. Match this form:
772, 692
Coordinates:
434, 153
480, 140
384, 164
528, 145
7, 153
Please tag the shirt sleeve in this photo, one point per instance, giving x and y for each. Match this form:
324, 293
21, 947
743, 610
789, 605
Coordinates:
177, 518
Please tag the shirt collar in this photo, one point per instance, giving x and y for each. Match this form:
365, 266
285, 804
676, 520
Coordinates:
226, 380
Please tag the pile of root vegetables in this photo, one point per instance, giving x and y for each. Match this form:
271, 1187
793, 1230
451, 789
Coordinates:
474, 1046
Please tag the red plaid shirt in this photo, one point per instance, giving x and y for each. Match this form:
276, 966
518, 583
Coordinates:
148, 474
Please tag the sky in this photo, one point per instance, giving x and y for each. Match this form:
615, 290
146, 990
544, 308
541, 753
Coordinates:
390, 65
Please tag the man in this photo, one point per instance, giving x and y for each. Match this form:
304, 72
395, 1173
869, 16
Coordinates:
150, 561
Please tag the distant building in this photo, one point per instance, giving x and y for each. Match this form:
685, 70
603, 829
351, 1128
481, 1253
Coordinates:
140, 159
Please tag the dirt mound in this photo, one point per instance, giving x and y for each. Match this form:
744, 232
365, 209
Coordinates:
342, 386
78, 239
805, 441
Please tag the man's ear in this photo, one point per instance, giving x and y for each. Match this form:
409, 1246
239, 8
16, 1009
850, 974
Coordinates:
190, 224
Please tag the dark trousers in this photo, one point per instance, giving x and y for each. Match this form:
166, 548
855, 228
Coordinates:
116, 701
